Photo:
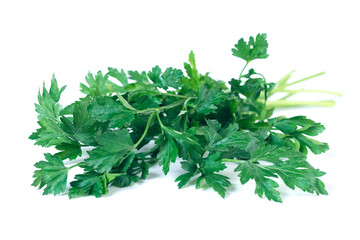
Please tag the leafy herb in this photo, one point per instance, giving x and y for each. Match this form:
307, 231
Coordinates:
193, 117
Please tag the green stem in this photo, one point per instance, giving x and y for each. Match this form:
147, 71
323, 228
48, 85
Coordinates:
231, 160
145, 131
159, 120
128, 106
284, 79
243, 70
173, 95
284, 104
172, 105
124, 102
261, 76
310, 91
304, 79
76, 165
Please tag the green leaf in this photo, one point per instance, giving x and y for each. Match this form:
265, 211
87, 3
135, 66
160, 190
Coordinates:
48, 136
144, 100
286, 126
54, 90
236, 153
191, 68
82, 120
181, 137
52, 174
264, 185
276, 155
89, 183
113, 146
315, 146
254, 49
308, 126
106, 108
235, 86
81, 127
96, 85
192, 168
116, 141
300, 126
300, 174
212, 164
184, 179
218, 182
139, 77
125, 180
237, 139
119, 75
208, 167
170, 78
223, 139
168, 152
69, 150
193, 80
207, 100
252, 88
68, 110
155, 77
48, 108
288, 164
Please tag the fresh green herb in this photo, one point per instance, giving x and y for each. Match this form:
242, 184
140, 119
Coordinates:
194, 117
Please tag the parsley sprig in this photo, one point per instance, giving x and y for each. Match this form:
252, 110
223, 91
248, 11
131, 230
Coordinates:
205, 123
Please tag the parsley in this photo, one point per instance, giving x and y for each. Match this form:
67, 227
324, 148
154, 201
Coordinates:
189, 116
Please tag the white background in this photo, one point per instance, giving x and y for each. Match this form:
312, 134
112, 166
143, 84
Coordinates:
69, 38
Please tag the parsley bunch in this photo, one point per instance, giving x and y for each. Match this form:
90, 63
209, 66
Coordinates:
188, 116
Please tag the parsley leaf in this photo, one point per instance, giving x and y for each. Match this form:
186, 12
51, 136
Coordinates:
113, 146
52, 174
168, 152
48, 108
119, 75
69, 150
96, 85
288, 164
107, 109
290, 126
207, 100
208, 167
253, 49
264, 184
170, 78
89, 183
222, 139
139, 77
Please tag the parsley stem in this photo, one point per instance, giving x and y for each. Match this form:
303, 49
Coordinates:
173, 95
124, 102
243, 70
284, 103
76, 165
172, 105
159, 120
304, 79
231, 160
282, 83
284, 79
145, 131
310, 91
